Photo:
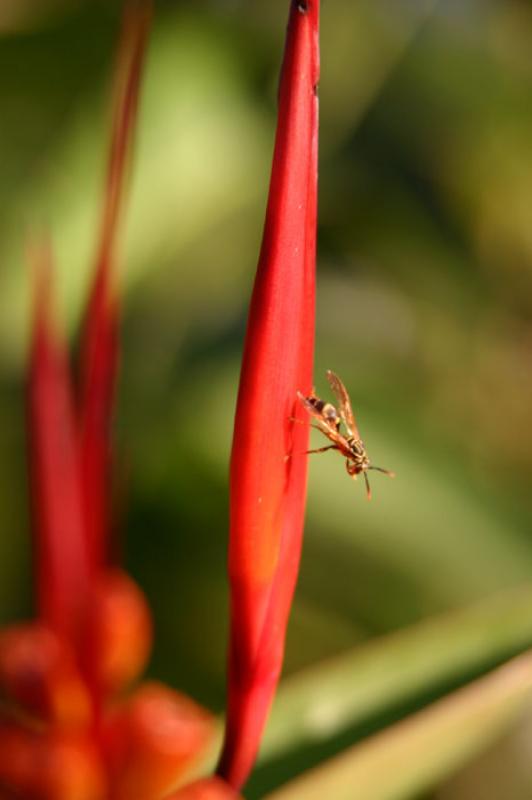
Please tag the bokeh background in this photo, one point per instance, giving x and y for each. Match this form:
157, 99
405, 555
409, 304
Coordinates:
424, 309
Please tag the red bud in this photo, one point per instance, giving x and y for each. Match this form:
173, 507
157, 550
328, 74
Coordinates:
49, 767
38, 671
153, 740
119, 631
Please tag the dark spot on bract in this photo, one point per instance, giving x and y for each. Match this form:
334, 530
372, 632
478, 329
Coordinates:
302, 6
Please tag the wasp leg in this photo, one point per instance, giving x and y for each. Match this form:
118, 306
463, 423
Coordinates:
320, 450
303, 422
386, 471
368, 487
308, 452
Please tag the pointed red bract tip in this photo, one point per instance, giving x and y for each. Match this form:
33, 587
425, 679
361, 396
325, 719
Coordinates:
268, 489
100, 349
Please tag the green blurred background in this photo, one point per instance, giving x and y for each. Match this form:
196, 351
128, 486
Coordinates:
424, 307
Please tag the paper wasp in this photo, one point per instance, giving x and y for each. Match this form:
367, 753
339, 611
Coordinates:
329, 419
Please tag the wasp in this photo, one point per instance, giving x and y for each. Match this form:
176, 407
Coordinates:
329, 420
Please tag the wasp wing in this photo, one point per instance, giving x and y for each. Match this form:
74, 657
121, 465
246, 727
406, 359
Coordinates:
325, 427
346, 412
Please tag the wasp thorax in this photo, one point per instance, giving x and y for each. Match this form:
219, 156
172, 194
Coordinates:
358, 449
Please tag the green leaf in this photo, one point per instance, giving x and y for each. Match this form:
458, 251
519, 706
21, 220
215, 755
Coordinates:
414, 754
325, 699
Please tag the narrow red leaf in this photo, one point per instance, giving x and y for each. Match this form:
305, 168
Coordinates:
61, 558
100, 351
268, 468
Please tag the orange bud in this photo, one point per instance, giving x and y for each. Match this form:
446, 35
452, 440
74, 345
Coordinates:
153, 740
49, 767
38, 671
119, 633
207, 789
17, 761
70, 769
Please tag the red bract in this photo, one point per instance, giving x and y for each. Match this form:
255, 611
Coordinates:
268, 468
99, 354
61, 555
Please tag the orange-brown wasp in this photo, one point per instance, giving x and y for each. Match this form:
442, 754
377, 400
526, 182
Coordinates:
329, 420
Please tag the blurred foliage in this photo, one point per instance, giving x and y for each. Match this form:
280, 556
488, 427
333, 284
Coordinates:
412, 754
424, 308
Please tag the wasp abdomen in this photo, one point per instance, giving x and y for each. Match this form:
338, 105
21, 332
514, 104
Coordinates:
327, 410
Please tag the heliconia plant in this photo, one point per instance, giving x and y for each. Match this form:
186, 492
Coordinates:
71, 727
268, 464
77, 722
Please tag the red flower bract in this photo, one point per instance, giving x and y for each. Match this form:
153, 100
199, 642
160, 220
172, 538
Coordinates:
70, 727
61, 554
268, 466
100, 350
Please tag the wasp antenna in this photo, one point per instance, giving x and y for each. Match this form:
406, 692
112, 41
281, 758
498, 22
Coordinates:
386, 471
368, 487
